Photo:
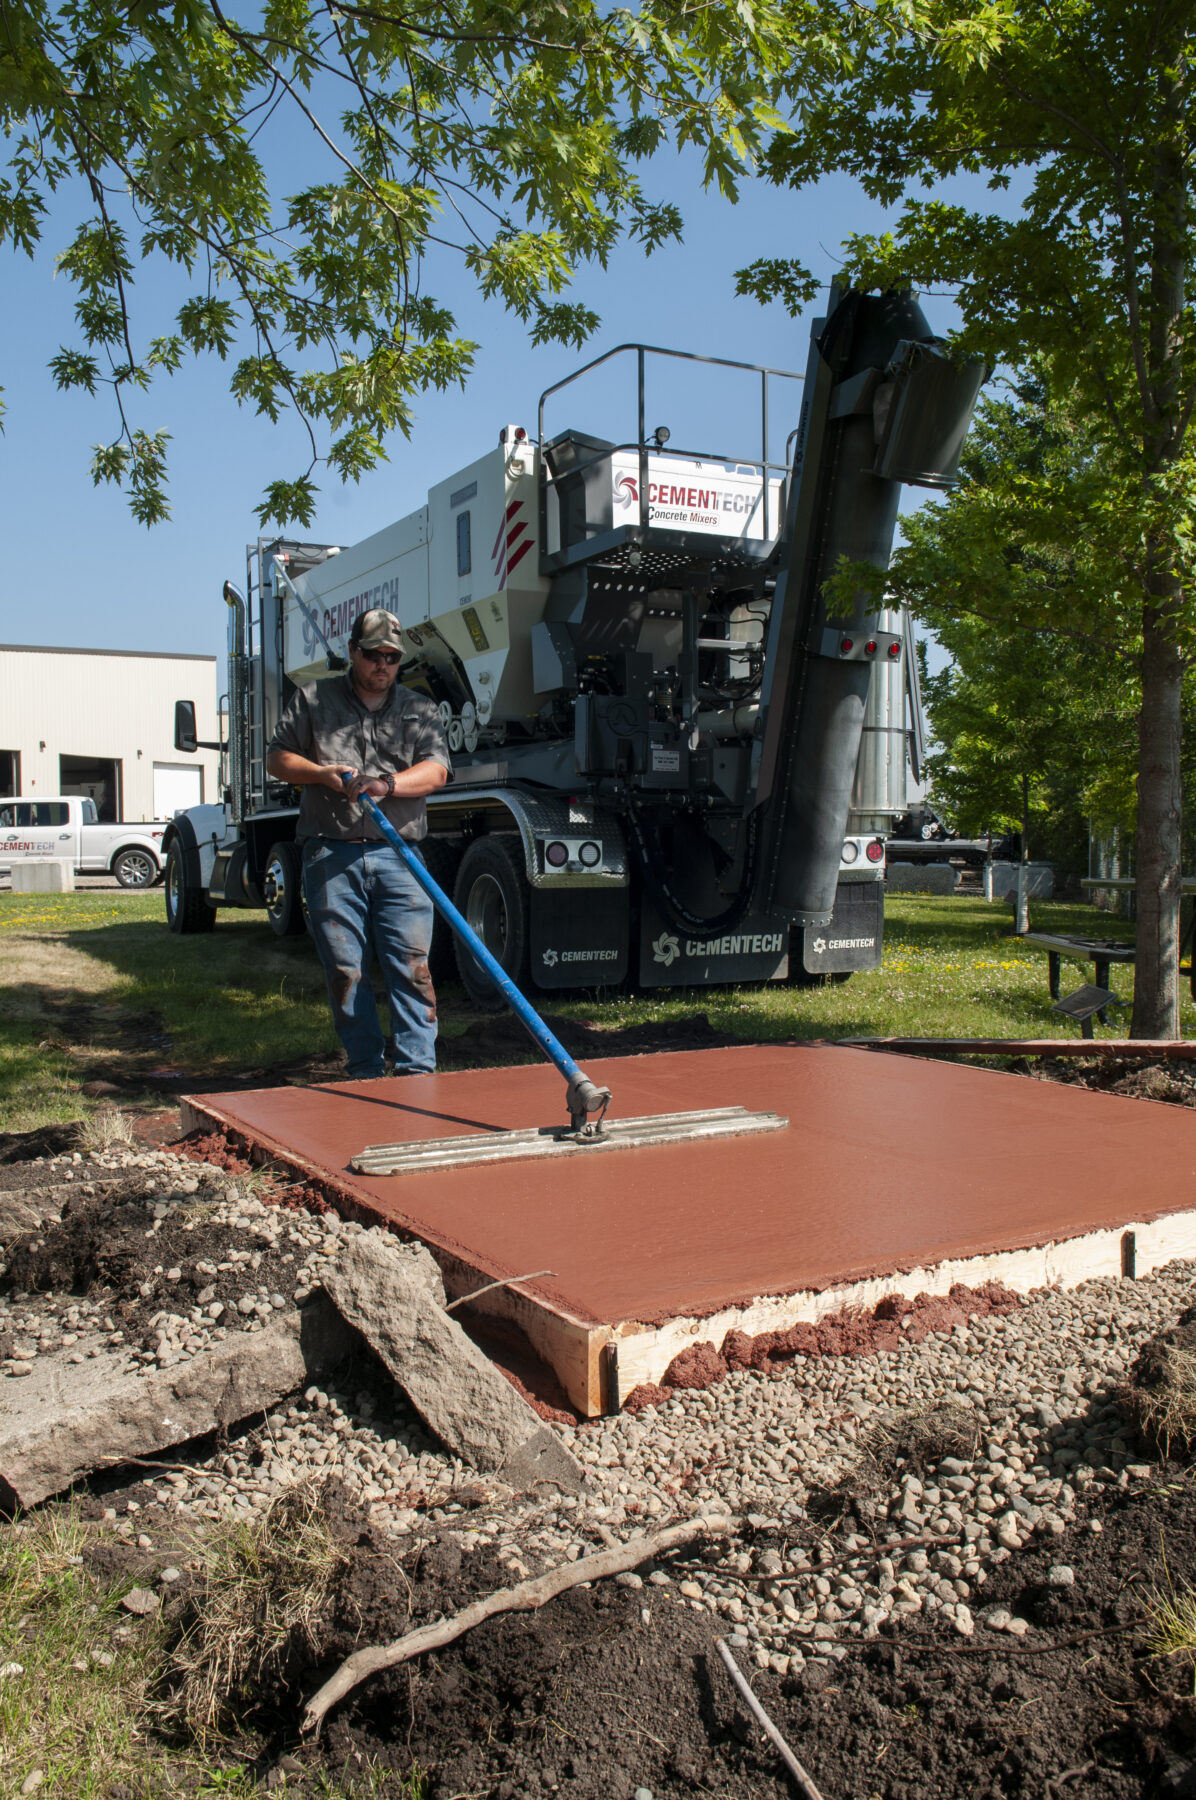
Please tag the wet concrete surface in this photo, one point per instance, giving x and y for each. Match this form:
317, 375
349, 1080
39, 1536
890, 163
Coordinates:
888, 1163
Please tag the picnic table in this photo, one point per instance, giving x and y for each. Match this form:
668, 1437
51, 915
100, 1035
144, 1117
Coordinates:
1086, 1000
1101, 951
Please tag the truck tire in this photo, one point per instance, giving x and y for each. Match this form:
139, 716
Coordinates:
491, 890
135, 868
282, 889
442, 859
187, 908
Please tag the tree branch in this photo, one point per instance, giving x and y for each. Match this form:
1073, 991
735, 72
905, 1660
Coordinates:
526, 1597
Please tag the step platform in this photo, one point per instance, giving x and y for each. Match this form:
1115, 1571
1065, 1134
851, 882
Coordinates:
893, 1174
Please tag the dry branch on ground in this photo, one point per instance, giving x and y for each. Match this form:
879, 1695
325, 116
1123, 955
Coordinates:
525, 1597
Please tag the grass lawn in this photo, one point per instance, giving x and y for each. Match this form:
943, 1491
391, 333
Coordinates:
96, 984
80, 1702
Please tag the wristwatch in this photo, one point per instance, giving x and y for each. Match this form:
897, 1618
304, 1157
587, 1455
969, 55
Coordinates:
390, 785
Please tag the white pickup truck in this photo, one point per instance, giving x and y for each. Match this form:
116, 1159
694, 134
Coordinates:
65, 826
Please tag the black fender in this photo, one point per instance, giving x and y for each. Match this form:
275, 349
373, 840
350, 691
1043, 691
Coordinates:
182, 829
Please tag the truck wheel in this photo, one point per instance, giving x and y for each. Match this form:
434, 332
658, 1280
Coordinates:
282, 889
442, 860
135, 868
491, 891
187, 908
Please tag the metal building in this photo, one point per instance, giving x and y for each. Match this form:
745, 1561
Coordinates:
101, 723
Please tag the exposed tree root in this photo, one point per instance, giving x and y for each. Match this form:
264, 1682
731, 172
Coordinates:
525, 1597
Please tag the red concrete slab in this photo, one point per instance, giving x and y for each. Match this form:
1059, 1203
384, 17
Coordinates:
889, 1163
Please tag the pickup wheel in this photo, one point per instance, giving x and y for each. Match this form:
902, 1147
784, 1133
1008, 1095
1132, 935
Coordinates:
491, 891
187, 908
135, 868
282, 890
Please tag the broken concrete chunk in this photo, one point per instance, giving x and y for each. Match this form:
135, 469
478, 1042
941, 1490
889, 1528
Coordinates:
141, 1602
417, 1263
67, 1420
379, 1287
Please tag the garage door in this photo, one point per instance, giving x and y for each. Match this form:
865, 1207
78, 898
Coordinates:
176, 785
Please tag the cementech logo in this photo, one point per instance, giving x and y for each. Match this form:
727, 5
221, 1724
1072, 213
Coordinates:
550, 958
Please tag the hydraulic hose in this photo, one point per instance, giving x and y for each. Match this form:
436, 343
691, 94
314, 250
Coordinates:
673, 910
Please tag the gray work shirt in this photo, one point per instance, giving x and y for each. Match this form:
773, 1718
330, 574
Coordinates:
327, 723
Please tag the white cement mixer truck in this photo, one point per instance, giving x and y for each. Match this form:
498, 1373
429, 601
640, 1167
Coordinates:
676, 756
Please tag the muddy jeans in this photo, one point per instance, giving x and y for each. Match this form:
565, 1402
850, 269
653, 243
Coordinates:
361, 897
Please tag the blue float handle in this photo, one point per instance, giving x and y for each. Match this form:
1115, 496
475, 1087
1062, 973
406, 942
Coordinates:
583, 1095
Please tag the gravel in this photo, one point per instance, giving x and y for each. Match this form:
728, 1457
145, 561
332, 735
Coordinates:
825, 1555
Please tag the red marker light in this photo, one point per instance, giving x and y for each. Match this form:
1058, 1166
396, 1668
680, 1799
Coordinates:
894, 651
846, 646
870, 647
875, 851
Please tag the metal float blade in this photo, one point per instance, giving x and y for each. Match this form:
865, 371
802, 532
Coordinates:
549, 1140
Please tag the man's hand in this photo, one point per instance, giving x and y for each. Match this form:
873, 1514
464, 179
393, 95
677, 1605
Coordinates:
345, 779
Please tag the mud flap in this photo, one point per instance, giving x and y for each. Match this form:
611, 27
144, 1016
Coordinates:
853, 940
579, 937
757, 950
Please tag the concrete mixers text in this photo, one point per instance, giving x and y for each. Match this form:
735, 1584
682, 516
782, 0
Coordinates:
338, 620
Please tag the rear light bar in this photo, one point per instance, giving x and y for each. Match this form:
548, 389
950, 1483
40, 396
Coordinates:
845, 644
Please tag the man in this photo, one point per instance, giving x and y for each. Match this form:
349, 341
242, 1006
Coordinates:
360, 895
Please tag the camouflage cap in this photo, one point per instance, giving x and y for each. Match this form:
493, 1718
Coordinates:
376, 630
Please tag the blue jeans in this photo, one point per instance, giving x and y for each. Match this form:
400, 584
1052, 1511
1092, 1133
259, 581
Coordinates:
362, 897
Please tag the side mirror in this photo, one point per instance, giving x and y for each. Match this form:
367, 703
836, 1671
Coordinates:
185, 738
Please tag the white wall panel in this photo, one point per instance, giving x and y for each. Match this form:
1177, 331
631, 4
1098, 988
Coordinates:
109, 704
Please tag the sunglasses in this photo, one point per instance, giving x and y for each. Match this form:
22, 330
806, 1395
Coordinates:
387, 657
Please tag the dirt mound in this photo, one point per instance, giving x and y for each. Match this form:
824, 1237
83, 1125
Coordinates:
1077, 1709
144, 1256
852, 1332
585, 1696
919, 1438
47, 1140
1160, 1391
613, 1688
1174, 1083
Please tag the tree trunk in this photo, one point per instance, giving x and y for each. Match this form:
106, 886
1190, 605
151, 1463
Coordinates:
1022, 924
1157, 874
1160, 793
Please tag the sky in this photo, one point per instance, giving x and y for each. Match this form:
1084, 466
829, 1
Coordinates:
78, 570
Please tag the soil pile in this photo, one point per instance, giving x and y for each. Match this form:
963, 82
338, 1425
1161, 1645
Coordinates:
616, 1688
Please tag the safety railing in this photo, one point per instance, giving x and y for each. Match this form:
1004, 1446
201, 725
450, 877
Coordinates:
645, 443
